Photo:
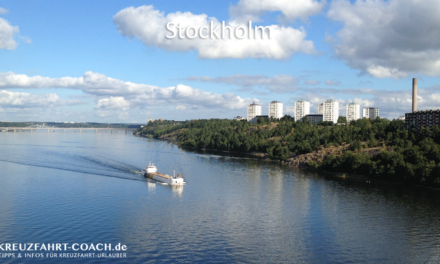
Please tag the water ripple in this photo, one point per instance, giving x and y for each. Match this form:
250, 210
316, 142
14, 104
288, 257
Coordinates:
86, 188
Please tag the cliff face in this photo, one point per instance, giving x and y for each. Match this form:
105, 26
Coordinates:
302, 160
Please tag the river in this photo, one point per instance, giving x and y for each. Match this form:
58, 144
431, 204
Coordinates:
72, 187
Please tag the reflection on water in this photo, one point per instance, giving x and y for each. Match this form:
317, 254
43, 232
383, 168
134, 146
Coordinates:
151, 186
87, 187
177, 189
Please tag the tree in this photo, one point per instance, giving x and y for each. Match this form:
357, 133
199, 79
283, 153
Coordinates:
342, 119
372, 142
410, 156
356, 145
261, 120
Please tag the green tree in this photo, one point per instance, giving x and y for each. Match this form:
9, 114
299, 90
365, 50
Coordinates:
342, 119
356, 145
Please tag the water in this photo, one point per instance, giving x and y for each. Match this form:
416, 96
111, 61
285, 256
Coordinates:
86, 188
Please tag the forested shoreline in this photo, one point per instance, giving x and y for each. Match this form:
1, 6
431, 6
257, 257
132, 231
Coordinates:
411, 157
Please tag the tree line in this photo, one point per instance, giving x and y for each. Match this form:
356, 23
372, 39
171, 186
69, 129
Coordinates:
405, 155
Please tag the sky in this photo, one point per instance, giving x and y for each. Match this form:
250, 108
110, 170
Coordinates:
111, 61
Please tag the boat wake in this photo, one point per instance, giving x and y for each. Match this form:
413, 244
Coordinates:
83, 168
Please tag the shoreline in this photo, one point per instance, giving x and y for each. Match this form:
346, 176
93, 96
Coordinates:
263, 156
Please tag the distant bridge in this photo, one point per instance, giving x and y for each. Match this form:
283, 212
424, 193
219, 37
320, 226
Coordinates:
79, 129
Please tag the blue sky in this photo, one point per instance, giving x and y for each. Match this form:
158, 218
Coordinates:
106, 61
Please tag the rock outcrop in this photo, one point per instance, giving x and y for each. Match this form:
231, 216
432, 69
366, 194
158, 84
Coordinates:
320, 154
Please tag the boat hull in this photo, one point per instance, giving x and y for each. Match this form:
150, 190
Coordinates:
164, 178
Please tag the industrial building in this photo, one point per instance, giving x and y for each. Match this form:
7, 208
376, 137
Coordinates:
275, 110
302, 108
424, 118
353, 112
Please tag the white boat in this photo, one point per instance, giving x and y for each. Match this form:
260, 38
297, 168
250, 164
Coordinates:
151, 172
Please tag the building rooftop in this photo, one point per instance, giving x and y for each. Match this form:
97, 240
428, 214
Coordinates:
274, 102
254, 104
425, 111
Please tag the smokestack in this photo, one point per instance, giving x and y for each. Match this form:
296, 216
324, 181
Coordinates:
414, 99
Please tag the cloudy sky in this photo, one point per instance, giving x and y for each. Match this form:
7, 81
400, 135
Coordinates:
110, 61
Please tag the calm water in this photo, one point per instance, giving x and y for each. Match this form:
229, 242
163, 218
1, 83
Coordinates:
86, 188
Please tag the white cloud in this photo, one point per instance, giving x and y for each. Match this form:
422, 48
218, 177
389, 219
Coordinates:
278, 83
186, 95
389, 38
104, 113
10, 99
57, 114
246, 10
311, 82
391, 103
289, 110
363, 102
26, 39
332, 83
123, 115
113, 103
12, 80
112, 94
382, 72
3, 11
250, 80
118, 99
7, 33
149, 25
187, 107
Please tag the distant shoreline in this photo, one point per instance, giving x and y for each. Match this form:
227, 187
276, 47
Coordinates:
49, 125
299, 161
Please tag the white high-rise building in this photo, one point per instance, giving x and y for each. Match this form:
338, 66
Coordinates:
302, 108
331, 111
321, 109
253, 111
353, 112
370, 112
275, 110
